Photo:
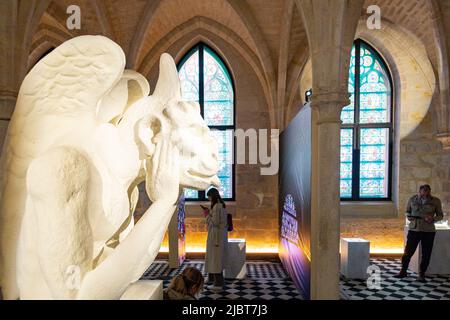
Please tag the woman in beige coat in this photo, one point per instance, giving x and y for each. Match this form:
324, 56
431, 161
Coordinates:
216, 220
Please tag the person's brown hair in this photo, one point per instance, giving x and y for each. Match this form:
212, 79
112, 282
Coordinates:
189, 282
215, 197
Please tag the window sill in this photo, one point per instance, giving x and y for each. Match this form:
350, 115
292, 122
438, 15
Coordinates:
368, 209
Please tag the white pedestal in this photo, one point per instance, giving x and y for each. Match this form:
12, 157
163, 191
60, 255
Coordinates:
355, 258
234, 266
144, 290
440, 257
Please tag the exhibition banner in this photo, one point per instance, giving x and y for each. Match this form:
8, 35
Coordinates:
295, 200
177, 235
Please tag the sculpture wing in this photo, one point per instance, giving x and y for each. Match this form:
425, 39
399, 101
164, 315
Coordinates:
59, 98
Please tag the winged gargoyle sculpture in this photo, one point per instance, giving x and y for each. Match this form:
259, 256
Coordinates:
84, 134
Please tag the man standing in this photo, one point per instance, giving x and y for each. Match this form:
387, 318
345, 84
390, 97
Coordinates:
423, 210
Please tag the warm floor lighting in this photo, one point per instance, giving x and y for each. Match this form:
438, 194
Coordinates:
387, 250
195, 249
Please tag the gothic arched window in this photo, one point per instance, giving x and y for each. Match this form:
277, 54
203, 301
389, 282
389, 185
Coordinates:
205, 79
366, 134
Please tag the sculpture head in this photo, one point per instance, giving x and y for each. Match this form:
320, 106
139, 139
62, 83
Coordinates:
179, 123
198, 149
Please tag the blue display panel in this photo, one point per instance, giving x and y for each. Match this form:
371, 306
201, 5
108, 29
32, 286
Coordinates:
295, 200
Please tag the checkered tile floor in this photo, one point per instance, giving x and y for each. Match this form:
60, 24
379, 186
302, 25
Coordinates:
264, 281
437, 287
268, 280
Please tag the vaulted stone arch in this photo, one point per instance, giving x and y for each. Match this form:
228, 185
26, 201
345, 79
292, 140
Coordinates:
193, 27
283, 56
46, 37
22, 20
244, 12
44, 44
296, 67
139, 35
104, 19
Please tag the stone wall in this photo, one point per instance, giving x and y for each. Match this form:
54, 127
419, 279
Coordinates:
385, 234
422, 160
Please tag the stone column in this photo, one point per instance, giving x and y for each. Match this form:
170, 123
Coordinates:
331, 27
18, 23
325, 197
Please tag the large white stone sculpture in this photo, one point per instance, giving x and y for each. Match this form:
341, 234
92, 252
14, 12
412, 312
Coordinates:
83, 135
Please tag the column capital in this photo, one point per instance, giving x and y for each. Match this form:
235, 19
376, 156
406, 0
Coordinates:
338, 98
329, 106
444, 138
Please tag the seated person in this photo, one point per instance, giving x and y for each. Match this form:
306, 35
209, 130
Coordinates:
185, 286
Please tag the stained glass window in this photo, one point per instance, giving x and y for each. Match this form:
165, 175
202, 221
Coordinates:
225, 142
189, 78
366, 127
205, 79
373, 164
218, 100
347, 114
346, 162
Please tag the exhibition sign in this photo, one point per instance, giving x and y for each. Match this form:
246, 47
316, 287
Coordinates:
295, 200
177, 235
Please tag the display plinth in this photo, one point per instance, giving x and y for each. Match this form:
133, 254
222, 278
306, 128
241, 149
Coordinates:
355, 258
440, 257
144, 290
234, 266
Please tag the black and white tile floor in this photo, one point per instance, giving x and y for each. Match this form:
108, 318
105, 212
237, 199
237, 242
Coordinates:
268, 280
437, 287
264, 281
